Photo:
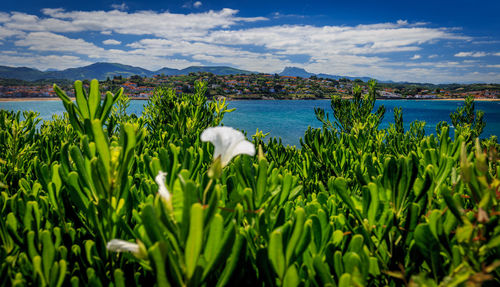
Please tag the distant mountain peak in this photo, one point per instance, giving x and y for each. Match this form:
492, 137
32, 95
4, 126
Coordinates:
301, 72
295, 72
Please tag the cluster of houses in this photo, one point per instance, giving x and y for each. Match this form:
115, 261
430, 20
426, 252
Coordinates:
243, 86
44, 91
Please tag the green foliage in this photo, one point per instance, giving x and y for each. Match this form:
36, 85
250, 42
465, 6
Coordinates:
17, 145
355, 112
466, 121
172, 118
354, 206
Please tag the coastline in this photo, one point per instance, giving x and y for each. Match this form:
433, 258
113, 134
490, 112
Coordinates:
31, 99
254, 99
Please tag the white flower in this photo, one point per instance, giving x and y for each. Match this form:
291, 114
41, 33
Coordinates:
118, 245
162, 189
228, 143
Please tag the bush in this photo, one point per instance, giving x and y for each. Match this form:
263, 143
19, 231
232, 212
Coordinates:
169, 198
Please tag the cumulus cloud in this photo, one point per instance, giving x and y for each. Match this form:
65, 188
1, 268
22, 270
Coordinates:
197, 4
4, 33
161, 24
57, 62
166, 39
470, 54
47, 41
51, 42
111, 42
333, 40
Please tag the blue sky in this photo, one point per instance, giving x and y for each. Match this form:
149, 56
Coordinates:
418, 41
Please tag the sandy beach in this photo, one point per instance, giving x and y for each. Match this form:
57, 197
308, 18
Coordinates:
30, 99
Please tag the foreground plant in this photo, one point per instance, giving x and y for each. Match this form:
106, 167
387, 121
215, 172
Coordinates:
126, 201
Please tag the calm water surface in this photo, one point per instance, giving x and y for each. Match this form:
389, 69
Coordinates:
289, 119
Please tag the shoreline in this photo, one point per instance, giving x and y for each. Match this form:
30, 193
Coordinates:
31, 99
253, 99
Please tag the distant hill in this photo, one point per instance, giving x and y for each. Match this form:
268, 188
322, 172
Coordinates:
167, 71
217, 70
300, 72
22, 73
102, 71
295, 72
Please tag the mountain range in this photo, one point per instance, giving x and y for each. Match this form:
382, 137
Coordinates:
299, 72
102, 71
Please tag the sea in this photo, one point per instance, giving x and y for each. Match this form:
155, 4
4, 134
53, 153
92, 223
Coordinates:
289, 119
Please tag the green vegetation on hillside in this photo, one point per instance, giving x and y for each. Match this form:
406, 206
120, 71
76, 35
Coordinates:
103, 198
238, 84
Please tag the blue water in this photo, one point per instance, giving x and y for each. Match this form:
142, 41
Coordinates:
289, 119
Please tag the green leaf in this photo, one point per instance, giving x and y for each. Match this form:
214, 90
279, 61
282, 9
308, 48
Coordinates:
32, 250
106, 109
356, 244
37, 266
275, 253
261, 182
62, 273
194, 240
213, 241
323, 271
217, 247
300, 217
158, 259
150, 222
292, 278
352, 261
102, 143
119, 278
338, 265
62, 95
94, 98
345, 280
81, 100
48, 252
374, 269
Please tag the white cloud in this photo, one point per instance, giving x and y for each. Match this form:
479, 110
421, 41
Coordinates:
121, 7
111, 42
197, 4
215, 54
222, 37
497, 54
4, 17
471, 54
4, 33
51, 42
47, 41
332, 40
493, 66
41, 62
160, 24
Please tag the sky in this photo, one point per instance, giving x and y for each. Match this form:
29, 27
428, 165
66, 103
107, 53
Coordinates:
415, 41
